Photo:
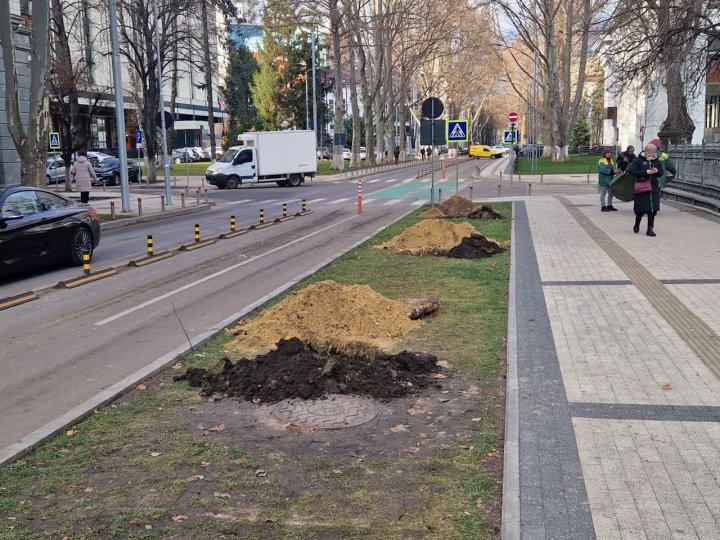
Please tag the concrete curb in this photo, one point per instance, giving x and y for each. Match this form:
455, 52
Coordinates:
110, 225
109, 394
511, 468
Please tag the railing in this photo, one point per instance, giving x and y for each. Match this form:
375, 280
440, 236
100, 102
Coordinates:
698, 173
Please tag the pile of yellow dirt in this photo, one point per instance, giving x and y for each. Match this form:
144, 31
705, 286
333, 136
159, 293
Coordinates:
433, 213
456, 206
325, 314
430, 237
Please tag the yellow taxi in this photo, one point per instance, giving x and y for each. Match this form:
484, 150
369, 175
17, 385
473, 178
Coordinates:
482, 151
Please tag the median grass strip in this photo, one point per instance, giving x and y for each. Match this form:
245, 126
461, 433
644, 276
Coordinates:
575, 165
163, 461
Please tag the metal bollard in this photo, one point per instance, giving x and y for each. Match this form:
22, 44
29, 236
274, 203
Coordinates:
174, 181
112, 210
501, 176
359, 195
541, 178
232, 223
519, 177
182, 199
150, 250
284, 210
139, 207
529, 192
499, 188
304, 205
262, 216
86, 262
162, 203
588, 178
197, 232
202, 182
471, 192
187, 190
206, 196
197, 197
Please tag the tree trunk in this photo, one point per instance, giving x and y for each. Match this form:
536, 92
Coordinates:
208, 78
355, 159
335, 28
678, 126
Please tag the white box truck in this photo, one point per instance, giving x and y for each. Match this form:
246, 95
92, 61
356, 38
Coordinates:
283, 157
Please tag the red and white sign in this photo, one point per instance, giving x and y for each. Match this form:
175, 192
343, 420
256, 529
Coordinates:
642, 131
513, 117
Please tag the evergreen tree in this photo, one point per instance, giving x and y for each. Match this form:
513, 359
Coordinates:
238, 95
580, 136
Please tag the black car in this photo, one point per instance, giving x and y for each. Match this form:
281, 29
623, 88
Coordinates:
108, 172
38, 226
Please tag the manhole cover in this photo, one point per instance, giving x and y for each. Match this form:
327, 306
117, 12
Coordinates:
335, 412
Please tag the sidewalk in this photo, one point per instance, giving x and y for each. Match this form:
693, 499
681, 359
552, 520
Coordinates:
616, 369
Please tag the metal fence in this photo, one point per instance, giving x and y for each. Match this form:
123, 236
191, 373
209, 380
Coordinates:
698, 170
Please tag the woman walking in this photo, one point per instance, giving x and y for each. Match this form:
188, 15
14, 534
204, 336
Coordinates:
84, 174
606, 171
647, 169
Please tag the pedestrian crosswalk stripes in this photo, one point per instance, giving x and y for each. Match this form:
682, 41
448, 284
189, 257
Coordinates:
392, 202
391, 180
338, 201
373, 181
241, 201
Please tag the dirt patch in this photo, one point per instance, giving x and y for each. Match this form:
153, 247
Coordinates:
456, 206
298, 370
430, 237
433, 213
484, 212
476, 246
325, 313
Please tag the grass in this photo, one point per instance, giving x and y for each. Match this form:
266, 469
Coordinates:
576, 165
106, 217
102, 479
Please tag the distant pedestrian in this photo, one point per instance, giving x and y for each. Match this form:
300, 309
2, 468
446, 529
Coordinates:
606, 171
647, 170
396, 153
422, 154
624, 159
668, 166
83, 173
516, 149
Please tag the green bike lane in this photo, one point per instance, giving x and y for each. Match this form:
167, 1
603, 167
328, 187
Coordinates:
420, 188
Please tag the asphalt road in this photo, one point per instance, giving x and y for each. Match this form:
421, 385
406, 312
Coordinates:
62, 349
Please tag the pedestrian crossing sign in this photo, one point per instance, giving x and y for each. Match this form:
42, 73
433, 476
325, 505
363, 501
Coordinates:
457, 131
510, 136
54, 138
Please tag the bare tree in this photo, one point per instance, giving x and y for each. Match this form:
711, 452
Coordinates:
30, 139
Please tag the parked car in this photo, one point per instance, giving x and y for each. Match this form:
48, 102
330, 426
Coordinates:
501, 149
218, 151
325, 152
202, 154
54, 170
38, 226
108, 172
346, 153
484, 151
96, 157
528, 149
182, 155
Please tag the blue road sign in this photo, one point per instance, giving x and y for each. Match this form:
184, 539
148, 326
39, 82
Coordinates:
457, 131
510, 136
54, 139
138, 137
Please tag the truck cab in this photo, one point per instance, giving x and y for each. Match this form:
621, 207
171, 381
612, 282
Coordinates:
237, 166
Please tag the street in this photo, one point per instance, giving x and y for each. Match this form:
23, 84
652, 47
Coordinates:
68, 345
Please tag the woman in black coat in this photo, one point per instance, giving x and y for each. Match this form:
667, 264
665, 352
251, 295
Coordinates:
647, 167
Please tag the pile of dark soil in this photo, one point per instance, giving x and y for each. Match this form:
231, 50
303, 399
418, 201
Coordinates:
484, 212
476, 246
294, 369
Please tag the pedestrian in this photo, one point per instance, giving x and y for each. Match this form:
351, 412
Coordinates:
647, 170
83, 174
668, 165
624, 159
606, 171
516, 148
396, 153
422, 154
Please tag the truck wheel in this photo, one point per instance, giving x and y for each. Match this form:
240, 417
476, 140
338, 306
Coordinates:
232, 183
295, 180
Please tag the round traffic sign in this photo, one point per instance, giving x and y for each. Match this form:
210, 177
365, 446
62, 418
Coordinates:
513, 117
432, 108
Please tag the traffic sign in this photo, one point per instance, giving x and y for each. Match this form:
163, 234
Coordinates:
138, 137
54, 138
169, 120
513, 117
432, 108
510, 136
457, 131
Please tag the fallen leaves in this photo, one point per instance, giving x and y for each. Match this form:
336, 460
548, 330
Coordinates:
219, 427
194, 477
399, 428
667, 386
479, 503
141, 387
439, 376
260, 473
88, 489
476, 419
179, 518
443, 364
72, 431
220, 495
155, 454
177, 365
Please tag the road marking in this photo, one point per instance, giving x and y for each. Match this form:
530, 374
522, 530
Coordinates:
425, 180
408, 180
368, 201
373, 181
392, 202
286, 202
391, 180
418, 203
338, 201
316, 200
267, 201
217, 274
238, 202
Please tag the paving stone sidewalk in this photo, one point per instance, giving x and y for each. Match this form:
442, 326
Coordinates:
618, 357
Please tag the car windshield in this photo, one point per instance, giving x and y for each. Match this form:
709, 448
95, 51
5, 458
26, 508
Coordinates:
229, 156
109, 163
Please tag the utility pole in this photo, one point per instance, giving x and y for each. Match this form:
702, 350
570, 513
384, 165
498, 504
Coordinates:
314, 85
119, 110
163, 127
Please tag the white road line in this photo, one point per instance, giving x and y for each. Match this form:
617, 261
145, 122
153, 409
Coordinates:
239, 202
267, 201
288, 202
425, 180
418, 203
368, 201
338, 201
393, 202
408, 180
391, 180
317, 200
217, 274
373, 181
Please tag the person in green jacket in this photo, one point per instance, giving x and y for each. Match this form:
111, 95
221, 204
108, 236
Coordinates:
606, 171
668, 166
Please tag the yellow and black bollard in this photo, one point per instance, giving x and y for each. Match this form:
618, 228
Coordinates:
86, 262
197, 232
232, 223
284, 210
304, 205
262, 216
150, 248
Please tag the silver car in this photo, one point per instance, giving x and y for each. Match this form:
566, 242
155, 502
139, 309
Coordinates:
54, 170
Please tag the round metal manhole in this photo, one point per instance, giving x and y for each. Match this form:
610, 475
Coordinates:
335, 412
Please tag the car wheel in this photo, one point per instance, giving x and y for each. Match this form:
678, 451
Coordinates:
178, 161
232, 183
81, 242
47, 180
295, 180
115, 180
